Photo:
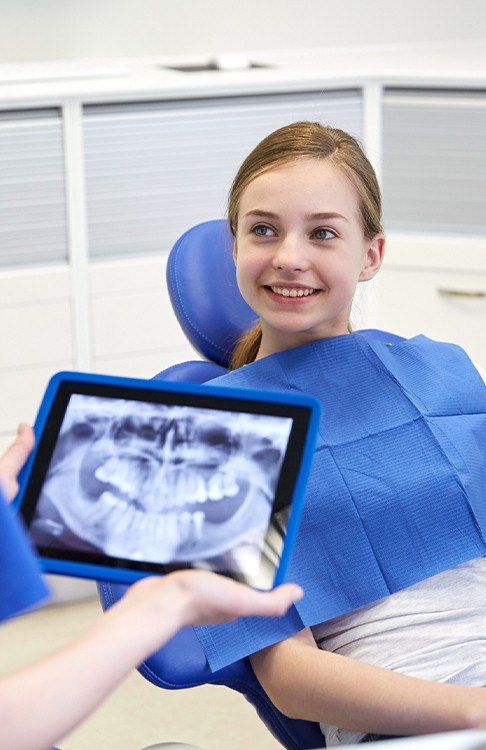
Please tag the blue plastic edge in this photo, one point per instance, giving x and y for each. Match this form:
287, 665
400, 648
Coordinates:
105, 573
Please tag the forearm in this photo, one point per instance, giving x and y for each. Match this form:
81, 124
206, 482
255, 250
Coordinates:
315, 685
42, 703
59, 692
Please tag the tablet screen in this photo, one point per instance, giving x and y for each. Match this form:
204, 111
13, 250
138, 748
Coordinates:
155, 481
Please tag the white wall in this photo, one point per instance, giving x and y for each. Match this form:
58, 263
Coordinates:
50, 29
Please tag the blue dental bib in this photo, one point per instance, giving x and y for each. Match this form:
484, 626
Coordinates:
397, 488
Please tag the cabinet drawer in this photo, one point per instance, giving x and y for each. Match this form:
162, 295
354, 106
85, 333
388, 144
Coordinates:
448, 306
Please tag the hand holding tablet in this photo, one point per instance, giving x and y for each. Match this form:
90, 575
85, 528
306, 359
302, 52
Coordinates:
134, 477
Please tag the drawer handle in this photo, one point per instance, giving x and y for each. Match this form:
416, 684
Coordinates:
478, 294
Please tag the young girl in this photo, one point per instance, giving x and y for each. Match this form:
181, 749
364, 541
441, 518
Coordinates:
392, 542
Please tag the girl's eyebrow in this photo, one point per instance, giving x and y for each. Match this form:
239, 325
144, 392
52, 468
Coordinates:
326, 215
309, 217
264, 214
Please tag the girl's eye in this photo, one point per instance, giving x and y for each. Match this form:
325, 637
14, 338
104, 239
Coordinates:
324, 234
261, 230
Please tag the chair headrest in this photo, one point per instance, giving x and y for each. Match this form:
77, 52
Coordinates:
201, 279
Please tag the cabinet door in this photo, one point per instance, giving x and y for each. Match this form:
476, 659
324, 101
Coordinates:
36, 339
155, 169
434, 161
134, 329
32, 198
35, 306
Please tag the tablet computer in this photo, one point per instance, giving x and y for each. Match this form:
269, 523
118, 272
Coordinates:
131, 477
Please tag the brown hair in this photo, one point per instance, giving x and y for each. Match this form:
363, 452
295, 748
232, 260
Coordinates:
305, 140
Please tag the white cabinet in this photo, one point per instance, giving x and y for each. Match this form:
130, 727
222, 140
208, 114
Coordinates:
434, 190
434, 161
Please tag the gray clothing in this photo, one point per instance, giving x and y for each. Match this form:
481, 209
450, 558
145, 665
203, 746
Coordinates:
434, 630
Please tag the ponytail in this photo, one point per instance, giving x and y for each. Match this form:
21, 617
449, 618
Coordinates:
247, 347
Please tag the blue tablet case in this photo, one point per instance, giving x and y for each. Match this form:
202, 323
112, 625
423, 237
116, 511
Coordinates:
88, 383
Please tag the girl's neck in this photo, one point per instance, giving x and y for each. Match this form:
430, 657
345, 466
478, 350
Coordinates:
269, 346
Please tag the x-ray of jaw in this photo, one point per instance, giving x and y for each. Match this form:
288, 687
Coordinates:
162, 483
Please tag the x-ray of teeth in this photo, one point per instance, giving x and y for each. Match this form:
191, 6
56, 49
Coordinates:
162, 483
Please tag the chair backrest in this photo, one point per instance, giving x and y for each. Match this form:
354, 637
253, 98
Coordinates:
201, 280
202, 285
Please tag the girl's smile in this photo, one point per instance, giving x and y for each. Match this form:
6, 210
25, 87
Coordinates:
289, 294
300, 251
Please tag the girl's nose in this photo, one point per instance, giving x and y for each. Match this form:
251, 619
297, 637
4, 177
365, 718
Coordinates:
289, 255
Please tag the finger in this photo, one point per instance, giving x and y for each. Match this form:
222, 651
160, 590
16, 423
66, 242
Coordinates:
277, 601
289, 592
14, 458
247, 602
16, 455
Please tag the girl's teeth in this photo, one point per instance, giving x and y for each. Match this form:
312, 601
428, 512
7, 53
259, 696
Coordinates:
291, 292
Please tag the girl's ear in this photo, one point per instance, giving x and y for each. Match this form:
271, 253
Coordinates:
235, 251
374, 258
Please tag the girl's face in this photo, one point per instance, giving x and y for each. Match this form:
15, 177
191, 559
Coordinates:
300, 251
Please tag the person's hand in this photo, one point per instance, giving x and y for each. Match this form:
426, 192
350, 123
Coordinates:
198, 597
213, 598
14, 458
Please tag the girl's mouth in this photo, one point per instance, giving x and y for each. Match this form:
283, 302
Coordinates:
291, 293
284, 291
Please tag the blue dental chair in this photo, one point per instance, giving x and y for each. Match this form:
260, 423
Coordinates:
203, 290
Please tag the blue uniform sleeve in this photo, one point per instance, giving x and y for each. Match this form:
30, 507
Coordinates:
21, 582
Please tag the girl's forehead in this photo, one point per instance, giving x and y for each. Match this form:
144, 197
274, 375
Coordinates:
314, 181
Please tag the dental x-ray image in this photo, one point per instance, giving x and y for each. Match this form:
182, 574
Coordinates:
162, 483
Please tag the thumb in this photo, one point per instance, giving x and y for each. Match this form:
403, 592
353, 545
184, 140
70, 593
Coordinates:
14, 458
